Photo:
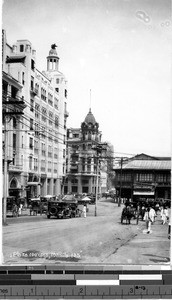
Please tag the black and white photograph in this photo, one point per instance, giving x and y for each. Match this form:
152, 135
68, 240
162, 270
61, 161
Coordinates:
86, 132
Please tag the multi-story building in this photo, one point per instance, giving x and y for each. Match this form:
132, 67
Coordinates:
144, 177
82, 159
36, 140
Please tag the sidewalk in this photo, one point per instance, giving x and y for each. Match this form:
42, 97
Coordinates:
146, 249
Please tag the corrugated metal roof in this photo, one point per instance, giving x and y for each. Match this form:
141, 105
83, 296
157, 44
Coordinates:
147, 165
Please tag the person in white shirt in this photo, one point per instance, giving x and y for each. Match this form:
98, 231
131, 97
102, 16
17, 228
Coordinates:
149, 218
164, 215
84, 211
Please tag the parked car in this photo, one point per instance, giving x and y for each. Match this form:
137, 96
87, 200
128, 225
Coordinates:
62, 209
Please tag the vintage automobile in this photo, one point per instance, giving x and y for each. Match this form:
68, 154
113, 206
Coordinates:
62, 209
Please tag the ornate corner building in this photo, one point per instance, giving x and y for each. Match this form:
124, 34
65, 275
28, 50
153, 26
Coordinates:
82, 160
34, 121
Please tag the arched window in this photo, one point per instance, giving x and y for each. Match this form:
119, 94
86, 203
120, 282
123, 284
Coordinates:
13, 183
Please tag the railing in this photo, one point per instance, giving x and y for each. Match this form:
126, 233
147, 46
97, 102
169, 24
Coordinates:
15, 168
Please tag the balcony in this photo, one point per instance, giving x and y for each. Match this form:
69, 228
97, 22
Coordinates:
33, 91
10, 102
13, 168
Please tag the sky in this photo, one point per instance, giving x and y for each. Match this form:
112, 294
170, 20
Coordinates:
118, 49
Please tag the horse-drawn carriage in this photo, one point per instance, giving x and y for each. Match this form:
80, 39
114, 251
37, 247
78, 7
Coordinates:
129, 212
37, 206
12, 206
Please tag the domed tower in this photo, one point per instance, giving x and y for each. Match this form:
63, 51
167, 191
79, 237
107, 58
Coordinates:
53, 59
90, 128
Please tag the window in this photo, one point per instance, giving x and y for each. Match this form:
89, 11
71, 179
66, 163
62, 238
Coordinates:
74, 181
44, 114
37, 88
43, 133
35, 147
85, 181
23, 78
31, 124
30, 162
22, 160
162, 177
14, 142
43, 165
21, 48
49, 166
22, 141
35, 164
50, 151
65, 93
50, 118
37, 107
32, 64
57, 90
144, 177
14, 123
43, 149
32, 105
31, 143
124, 177
50, 99
56, 103
56, 121
57, 80
36, 130
43, 94
55, 153
32, 83
55, 167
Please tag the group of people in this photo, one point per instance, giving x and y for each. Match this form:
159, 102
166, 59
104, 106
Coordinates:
152, 212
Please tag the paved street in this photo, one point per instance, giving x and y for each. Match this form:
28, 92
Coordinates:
101, 239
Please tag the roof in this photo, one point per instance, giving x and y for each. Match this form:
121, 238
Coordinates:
90, 118
147, 165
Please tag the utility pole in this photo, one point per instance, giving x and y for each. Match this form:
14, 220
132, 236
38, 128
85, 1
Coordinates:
99, 148
17, 107
5, 194
119, 200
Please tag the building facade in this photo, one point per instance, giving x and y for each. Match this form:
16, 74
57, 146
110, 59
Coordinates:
36, 138
144, 177
83, 163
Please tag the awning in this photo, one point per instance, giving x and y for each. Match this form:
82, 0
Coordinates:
33, 183
143, 193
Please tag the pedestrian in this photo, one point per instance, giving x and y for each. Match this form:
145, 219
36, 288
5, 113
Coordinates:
84, 211
19, 211
164, 215
156, 208
161, 211
152, 213
169, 227
149, 218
